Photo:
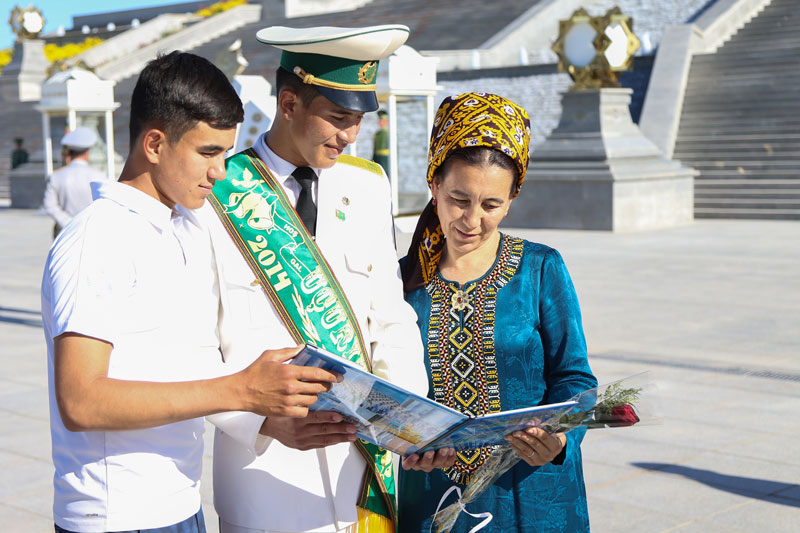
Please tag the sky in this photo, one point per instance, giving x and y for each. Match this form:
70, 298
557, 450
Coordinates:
59, 12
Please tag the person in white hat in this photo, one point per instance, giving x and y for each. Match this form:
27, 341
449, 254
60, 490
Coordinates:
312, 259
68, 191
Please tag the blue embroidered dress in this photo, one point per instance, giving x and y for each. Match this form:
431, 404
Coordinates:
512, 338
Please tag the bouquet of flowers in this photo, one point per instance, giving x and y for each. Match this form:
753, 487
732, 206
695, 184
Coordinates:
621, 403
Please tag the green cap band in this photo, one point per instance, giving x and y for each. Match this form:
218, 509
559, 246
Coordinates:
332, 72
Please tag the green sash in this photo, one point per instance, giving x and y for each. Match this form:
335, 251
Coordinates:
302, 287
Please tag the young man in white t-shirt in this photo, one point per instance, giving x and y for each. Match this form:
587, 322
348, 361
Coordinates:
129, 305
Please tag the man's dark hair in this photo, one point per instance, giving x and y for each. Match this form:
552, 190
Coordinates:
477, 156
176, 91
287, 80
76, 153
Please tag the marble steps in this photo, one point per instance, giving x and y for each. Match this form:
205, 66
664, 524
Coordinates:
740, 122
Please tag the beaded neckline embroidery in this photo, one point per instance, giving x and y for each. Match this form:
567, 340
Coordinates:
461, 349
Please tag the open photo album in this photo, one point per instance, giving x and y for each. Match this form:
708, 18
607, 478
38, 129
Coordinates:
403, 422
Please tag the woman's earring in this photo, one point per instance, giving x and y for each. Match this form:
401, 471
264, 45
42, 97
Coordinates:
434, 201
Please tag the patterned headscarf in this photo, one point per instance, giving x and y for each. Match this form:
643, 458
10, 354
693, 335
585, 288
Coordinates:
462, 121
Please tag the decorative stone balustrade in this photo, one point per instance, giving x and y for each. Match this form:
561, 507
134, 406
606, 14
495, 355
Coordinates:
186, 39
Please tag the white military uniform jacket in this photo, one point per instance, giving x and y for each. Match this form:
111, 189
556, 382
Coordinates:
258, 482
68, 191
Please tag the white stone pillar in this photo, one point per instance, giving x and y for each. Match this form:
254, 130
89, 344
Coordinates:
393, 168
48, 145
110, 147
431, 115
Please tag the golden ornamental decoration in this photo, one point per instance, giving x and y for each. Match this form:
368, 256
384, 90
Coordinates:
618, 44
26, 23
460, 300
593, 50
366, 74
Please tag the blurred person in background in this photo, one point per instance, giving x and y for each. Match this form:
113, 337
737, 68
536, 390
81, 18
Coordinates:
68, 191
19, 155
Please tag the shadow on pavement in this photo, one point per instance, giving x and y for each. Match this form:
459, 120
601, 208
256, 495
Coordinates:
21, 311
26, 320
761, 489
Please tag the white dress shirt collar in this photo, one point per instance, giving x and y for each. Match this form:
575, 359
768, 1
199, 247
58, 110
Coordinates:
280, 167
158, 214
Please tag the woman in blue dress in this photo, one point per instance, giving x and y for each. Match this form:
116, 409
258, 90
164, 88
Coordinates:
500, 321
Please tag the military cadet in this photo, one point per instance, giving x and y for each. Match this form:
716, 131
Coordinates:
68, 191
20, 155
380, 144
311, 260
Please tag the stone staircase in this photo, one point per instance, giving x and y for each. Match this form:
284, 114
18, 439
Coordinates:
5, 181
740, 124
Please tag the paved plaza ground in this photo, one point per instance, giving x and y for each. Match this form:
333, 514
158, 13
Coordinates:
711, 309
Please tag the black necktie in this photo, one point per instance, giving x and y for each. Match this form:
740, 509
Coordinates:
305, 207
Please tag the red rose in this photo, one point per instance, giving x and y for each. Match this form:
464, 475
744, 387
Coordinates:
622, 415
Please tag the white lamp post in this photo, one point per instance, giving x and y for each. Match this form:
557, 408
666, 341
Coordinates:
404, 75
83, 98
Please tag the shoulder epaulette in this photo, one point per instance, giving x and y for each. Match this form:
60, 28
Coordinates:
359, 162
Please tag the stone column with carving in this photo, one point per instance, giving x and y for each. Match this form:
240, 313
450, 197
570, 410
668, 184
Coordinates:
22, 78
598, 171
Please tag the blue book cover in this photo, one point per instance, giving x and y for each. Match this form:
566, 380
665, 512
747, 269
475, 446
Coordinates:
404, 422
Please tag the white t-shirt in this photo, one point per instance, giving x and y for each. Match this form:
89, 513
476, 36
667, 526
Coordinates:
130, 271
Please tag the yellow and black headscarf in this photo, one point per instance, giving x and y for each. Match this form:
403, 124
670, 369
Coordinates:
463, 121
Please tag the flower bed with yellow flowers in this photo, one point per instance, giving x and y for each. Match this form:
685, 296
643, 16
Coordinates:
219, 7
5, 57
54, 52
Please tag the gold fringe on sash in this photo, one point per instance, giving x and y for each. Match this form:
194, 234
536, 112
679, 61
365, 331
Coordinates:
369, 522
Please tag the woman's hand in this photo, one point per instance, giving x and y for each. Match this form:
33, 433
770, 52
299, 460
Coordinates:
442, 458
536, 446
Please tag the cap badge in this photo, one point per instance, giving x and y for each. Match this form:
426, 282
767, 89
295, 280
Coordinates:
366, 74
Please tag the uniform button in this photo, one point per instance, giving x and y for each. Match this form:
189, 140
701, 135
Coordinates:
369, 268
